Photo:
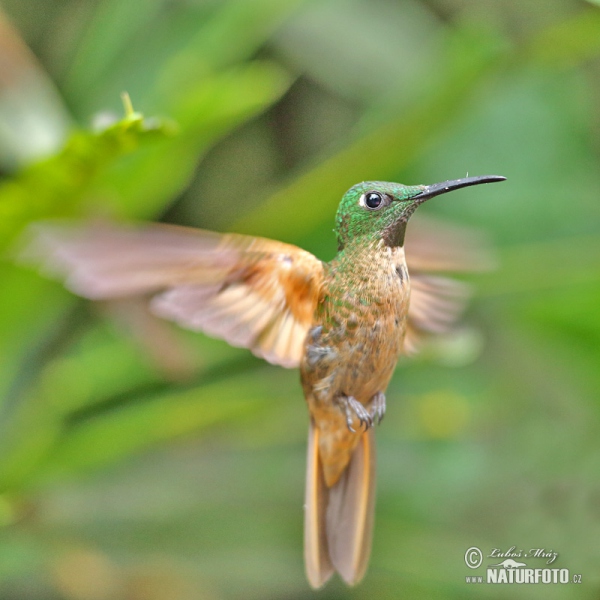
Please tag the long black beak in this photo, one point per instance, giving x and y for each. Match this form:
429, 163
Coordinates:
436, 189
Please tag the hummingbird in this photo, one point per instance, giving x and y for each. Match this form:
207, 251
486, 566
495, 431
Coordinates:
344, 323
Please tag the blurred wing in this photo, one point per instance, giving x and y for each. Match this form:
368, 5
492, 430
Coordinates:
252, 292
436, 246
436, 301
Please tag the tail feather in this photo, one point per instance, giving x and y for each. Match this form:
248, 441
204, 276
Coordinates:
350, 513
339, 520
316, 554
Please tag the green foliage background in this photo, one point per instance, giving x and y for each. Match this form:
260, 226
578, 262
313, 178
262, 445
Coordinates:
139, 462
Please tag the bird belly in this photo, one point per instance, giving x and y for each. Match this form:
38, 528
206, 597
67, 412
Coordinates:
356, 357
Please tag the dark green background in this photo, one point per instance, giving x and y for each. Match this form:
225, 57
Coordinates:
124, 477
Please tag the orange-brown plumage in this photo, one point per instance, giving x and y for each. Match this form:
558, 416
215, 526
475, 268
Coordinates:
344, 323
354, 343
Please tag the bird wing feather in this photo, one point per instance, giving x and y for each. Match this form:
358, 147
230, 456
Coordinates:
253, 292
350, 513
437, 301
316, 552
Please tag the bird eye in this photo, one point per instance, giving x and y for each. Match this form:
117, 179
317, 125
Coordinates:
373, 200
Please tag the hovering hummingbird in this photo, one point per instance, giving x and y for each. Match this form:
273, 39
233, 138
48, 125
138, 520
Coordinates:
343, 323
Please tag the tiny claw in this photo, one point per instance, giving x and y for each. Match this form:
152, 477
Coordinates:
378, 407
353, 408
349, 421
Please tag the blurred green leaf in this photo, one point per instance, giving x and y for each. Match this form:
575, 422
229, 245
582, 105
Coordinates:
205, 110
177, 45
34, 121
128, 428
107, 36
382, 153
58, 185
569, 42
104, 455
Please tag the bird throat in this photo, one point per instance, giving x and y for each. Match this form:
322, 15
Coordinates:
393, 234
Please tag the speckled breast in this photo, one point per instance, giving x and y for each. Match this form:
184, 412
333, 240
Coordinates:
359, 326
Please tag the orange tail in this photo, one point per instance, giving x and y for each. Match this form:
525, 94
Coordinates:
338, 521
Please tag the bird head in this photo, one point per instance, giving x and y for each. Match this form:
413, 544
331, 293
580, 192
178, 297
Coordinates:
380, 210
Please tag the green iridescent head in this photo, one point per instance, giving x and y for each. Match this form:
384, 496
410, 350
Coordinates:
380, 210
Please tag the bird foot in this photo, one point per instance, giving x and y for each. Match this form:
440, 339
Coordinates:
378, 407
353, 408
